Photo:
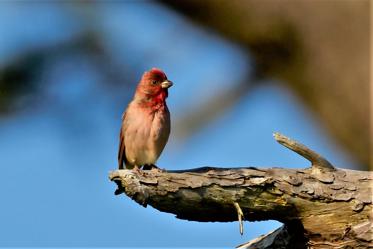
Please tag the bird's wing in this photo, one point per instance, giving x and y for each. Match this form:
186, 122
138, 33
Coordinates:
122, 149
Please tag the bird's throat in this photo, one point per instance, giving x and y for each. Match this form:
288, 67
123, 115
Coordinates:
161, 96
154, 101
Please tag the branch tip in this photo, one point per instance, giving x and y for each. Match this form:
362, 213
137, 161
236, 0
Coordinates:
316, 160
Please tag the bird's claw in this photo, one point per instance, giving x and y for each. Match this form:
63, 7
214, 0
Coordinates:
147, 167
138, 171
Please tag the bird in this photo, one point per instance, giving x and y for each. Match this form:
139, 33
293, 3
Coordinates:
145, 123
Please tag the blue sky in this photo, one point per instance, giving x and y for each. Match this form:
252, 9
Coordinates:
56, 155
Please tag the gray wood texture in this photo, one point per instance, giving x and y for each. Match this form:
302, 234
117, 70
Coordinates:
321, 206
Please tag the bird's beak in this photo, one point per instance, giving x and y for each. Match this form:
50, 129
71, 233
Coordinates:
166, 84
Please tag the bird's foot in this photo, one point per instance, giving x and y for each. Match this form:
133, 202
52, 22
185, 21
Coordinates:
138, 170
148, 167
152, 167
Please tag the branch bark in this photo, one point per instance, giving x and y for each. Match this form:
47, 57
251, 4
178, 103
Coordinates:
321, 206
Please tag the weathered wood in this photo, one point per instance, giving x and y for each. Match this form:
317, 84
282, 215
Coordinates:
321, 208
317, 161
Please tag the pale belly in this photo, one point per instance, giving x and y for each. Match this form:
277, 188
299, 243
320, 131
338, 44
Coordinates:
145, 141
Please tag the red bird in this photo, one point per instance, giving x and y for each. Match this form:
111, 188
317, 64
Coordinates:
146, 122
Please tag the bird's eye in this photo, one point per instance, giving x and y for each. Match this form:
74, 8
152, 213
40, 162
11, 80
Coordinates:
154, 82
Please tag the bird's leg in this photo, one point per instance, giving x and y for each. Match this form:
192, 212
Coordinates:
147, 167
151, 167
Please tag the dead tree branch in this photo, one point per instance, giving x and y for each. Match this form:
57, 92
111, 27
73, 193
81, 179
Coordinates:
321, 206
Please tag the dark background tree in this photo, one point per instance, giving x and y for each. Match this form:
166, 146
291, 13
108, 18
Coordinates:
318, 49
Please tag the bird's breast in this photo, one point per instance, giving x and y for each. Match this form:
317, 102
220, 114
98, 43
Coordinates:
149, 130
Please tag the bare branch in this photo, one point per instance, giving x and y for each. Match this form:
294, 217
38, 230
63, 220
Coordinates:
317, 160
325, 208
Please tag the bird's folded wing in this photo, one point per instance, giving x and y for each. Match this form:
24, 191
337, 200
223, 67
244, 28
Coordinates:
122, 149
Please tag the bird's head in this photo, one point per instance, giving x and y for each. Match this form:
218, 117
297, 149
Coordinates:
154, 85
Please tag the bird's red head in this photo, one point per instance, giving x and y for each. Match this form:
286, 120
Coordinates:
154, 85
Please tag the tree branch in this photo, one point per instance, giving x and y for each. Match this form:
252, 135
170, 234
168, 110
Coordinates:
329, 205
317, 160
